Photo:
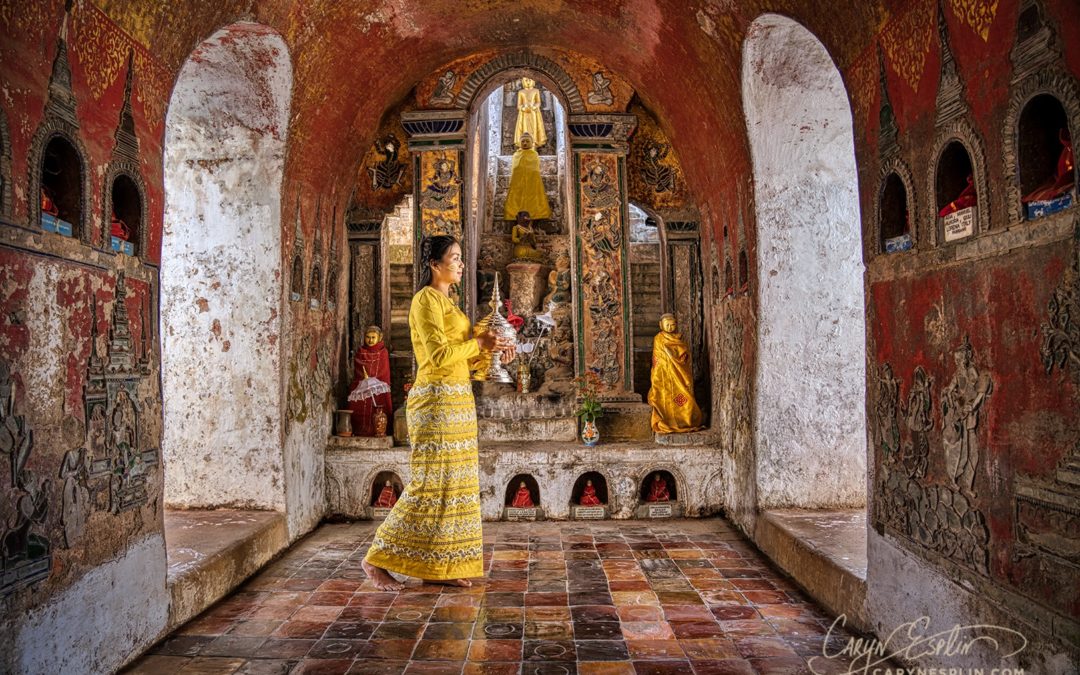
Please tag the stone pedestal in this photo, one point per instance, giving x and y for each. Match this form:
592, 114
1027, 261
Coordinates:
527, 286
625, 422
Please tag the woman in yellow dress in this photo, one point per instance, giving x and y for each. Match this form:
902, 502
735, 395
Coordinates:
434, 532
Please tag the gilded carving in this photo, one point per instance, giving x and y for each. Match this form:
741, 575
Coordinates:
441, 183
657, 175
387, 172
444, 89
100, 47
978, 15
907, 38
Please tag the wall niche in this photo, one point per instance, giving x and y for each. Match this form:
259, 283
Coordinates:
1045, 160
522, 500
658, 496
894, 215
386, 488
61, 188
125, 234
956, 198
589, 498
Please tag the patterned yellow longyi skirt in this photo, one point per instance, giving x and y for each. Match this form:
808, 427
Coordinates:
434, 530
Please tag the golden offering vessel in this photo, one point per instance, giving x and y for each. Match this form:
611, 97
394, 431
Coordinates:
489, 367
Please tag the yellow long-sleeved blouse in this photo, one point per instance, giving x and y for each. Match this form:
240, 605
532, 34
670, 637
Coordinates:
441, 338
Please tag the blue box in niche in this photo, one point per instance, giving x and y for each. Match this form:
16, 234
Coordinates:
51, 223
1045, 207
121, 246
898, 244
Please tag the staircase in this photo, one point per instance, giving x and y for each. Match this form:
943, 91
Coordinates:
645, 304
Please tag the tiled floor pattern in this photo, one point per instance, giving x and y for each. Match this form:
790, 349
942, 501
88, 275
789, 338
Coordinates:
656, 597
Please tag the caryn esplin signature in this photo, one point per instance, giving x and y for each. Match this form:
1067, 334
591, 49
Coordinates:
910, 641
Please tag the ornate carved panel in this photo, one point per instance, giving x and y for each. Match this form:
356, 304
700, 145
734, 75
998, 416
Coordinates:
527, 61
1060, 346
7, 192
602, 270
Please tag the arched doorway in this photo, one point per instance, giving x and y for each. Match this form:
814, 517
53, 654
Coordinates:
810, 426
221, 272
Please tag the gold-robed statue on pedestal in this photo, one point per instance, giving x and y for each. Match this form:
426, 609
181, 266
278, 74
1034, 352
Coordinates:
671, 396
529, 120
526, 191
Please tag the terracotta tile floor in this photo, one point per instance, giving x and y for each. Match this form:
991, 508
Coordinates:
684, 596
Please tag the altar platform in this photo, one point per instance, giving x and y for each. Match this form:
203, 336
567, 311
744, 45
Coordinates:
357, 468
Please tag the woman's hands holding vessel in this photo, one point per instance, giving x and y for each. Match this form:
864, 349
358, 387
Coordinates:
505, 346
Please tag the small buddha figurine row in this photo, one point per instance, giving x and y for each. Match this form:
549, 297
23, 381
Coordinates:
659, 491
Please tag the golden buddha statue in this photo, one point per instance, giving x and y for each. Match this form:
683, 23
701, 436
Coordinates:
529, 120
526, 191
671, 396
523, 236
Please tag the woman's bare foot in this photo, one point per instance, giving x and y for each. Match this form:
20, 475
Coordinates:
381, 578
464, 583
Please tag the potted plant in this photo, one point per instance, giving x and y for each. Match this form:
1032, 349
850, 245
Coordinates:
591, 407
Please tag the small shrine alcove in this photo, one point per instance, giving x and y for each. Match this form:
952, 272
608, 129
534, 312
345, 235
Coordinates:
62, 174
893, 214
127, 208
954, 191
599, 487
651, 491
1042, 134
379, 484
513, 490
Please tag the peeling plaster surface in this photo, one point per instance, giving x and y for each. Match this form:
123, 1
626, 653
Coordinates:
810, 413
221, 274
305, 474
116, 610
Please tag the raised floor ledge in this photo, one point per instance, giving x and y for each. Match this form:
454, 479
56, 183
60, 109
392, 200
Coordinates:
211, 552
824, 551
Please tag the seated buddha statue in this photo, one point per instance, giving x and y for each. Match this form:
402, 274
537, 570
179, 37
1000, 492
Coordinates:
963, 200
658, 490
526, 184
523, 237
1064, 175
522, 498
671, 395
588, 495
387, 497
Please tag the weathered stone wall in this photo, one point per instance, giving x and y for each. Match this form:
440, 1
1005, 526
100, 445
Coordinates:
221, 273
809, 425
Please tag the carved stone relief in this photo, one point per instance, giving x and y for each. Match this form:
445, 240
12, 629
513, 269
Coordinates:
386, 174
600, 93
118, 461
942, 518
25, 551
886, 406
658, 176
75, 472
444, 89
1048, 516
1060, 346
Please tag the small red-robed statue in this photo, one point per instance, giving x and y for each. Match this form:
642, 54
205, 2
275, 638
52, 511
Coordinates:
48, 205
387, 497
119, 228
1064, 176
658, 490
522, 498
965, 199
588, 495
372, 360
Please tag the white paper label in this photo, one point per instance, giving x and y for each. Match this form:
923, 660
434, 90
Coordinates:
959, 224
659, 510
379, 512
589, 512
513, 513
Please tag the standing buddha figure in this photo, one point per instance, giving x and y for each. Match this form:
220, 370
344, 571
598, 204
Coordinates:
671, 395
529, 120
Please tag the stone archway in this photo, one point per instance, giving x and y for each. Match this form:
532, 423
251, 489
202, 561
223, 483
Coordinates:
810, 426
221, 272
